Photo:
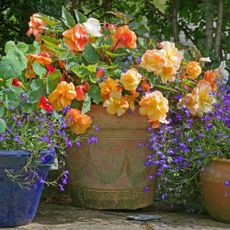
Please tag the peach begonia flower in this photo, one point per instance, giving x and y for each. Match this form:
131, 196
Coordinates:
211, 77
168, 73
116, 104
193, 69
42, 58
62, 95
163, 62
107, 86
153, 61
78, 122
36, 25
155, 106
76, 38
130, 79
124, 37
200, 100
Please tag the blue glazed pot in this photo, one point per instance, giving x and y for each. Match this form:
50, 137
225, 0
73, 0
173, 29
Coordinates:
18, 205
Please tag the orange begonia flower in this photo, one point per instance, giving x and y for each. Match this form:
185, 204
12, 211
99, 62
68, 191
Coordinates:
124, 37
131, 99
211, 76
42, 58
193, 69
116, 104
107, 86
130, 79
62, 95
36, 25
155, 106
76, 38
200, 100
145, 85
78, 122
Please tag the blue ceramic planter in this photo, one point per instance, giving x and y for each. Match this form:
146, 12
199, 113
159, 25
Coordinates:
18, 205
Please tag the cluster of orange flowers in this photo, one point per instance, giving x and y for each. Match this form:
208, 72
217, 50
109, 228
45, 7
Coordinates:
164, 62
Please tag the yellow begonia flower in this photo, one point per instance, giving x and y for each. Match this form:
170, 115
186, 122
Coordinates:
155, 106
107, 86
131, 79
62, 95
116, 104
172, 54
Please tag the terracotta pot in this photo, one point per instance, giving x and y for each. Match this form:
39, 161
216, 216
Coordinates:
216, 194
111, 174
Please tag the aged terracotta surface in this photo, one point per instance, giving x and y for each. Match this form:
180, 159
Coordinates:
216, 194
111, 174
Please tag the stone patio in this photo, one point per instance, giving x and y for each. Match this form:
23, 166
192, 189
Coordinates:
64, 216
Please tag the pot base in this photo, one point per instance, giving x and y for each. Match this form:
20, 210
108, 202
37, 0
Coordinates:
111, 199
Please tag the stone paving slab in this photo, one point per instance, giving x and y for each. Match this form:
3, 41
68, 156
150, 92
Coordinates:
66, 217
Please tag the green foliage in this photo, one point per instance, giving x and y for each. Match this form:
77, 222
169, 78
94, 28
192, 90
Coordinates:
86, 104
90, 54
15, 61
94, 93
52, 81
67, 18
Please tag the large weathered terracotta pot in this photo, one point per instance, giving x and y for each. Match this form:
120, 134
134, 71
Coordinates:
216, 194
111, 174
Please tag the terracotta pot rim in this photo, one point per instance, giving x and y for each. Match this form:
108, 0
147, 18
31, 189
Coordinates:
222, 160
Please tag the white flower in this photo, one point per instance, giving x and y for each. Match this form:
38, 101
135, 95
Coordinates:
93, 27
205, 59
223, 72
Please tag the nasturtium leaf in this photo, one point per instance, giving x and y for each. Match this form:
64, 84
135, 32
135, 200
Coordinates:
90, 54
67, 18
79, 16
9, 68
86, 104
23, 47
36, 84
39, 69
2, 125
34, 96
94, 93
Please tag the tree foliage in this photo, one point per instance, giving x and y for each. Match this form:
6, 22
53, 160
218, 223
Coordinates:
158, 15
